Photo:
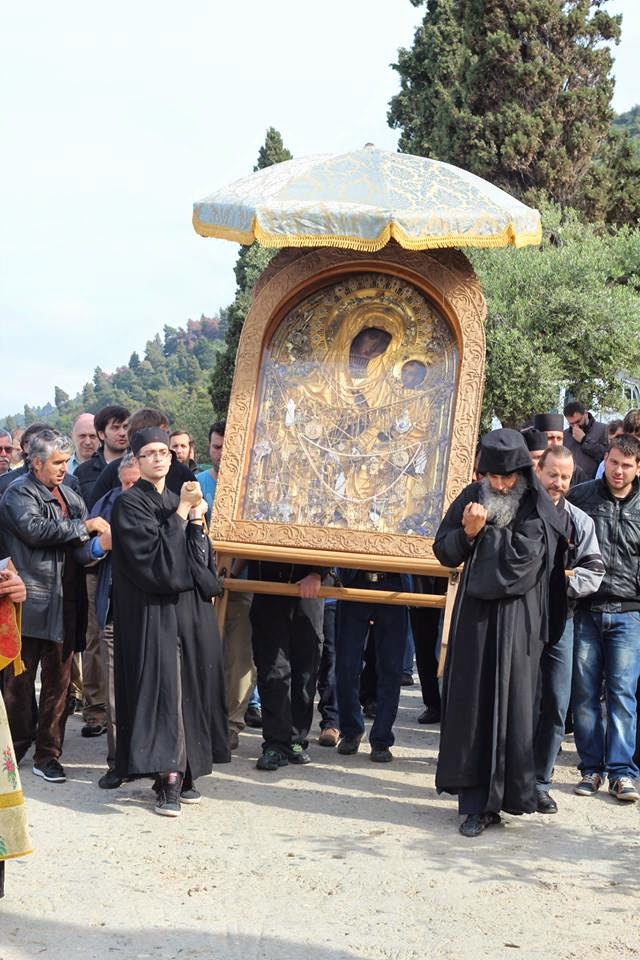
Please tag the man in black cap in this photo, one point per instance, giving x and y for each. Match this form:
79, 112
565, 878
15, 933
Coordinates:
536, 442
168, 673
552, 424
511, 600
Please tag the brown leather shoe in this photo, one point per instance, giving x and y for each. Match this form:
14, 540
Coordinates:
329, 737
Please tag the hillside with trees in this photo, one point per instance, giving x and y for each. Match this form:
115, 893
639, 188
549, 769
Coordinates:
173, 374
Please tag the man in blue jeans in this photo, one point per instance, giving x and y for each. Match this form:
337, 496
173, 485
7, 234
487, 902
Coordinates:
353, 623
555, 469
607, 630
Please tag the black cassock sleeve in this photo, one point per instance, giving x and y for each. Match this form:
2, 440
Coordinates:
451, 545
507, 562
151, 550
203, 571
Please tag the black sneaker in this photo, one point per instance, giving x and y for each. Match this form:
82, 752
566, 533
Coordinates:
93, 730
168, 796
380, 754
253, 717
349, 745
297, 754
429, 715
109, 780
271, 759
50, 770
190, 795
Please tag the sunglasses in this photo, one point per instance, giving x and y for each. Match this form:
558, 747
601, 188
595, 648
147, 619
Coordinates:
5, 449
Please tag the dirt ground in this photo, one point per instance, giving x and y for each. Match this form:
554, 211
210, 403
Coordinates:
335, 860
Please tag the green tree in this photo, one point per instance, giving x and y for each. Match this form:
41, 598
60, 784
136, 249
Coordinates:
518, 92
566, 314
251, 261
61, 398
610, 191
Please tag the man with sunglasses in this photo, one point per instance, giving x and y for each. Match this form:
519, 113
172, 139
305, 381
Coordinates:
6, 451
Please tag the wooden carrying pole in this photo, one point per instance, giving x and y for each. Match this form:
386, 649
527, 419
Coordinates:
338, 593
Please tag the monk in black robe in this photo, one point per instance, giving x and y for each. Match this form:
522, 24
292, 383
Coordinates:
511, 539
168, 671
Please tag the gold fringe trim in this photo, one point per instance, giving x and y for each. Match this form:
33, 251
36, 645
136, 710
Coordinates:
14, 856
508, 237
14, 799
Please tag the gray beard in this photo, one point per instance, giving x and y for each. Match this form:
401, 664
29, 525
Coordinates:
502, 507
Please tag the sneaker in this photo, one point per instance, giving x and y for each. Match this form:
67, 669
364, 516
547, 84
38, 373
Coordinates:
297, 754
329, 737
93, 730
168, 795
590, 784
349, 745
109, 780
430, 715
253, 717
271, 759
50, 770
380, 754
190, 795
624, 789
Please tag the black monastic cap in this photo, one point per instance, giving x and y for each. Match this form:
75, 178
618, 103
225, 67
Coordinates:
535, 439
148, 435
548, 421
503, 451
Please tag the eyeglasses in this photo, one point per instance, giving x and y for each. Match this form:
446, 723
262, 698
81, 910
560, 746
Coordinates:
155, 455
6, 449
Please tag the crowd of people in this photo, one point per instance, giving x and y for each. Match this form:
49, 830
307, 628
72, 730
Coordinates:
105, 538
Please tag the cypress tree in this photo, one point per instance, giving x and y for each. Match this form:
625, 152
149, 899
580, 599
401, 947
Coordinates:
517, 91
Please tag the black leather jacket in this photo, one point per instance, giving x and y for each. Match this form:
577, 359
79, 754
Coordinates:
617, 524
38, 538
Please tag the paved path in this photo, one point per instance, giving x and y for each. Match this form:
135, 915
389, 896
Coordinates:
337, 860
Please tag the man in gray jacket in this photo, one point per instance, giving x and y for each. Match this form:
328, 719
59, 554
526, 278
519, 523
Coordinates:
47, 534
555, 469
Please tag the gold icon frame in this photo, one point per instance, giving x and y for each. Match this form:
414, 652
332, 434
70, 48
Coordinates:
445, 279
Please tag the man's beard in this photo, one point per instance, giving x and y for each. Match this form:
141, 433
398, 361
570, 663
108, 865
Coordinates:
502, 507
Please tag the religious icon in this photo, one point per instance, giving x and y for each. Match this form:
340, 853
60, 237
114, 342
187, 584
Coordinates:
354, 407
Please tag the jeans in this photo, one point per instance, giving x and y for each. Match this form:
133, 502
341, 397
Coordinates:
390, 632
409, 653
555, 693
328, 705
606, 645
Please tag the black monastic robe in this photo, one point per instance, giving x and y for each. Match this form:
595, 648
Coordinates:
168, 667
501, 621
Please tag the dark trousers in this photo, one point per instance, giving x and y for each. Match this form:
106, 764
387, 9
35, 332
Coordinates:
390, 632
425, 622
55, 674
287, 642
328, 705
472, 800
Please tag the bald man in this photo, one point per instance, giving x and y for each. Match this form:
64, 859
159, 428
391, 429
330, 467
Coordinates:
85, 440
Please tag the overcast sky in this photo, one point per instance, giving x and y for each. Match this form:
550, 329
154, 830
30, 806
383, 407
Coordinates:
116, 117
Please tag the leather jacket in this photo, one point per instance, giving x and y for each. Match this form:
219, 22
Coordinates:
617, 524
38, 540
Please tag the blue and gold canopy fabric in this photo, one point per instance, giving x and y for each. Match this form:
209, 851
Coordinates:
363, 199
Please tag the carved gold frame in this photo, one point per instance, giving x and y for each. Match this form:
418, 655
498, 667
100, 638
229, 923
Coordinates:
443, 276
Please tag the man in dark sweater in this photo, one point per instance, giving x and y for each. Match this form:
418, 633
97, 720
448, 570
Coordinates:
584, 437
